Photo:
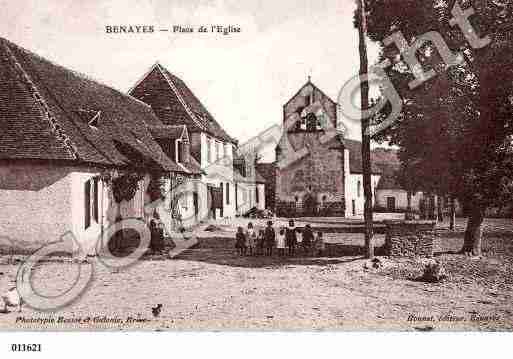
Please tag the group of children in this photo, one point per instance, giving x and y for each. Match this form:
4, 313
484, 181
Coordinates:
287, 240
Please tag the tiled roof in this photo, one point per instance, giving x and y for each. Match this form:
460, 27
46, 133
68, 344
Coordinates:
388, 161
355, 157
308, 83
166, 131
297, 141
238, 177
196, 116
388, 181
45, 109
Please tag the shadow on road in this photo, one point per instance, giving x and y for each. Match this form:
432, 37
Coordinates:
222, 251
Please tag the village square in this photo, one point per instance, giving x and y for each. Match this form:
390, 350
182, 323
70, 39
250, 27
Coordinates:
170, 223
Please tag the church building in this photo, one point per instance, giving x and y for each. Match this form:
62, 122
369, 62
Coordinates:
318, 172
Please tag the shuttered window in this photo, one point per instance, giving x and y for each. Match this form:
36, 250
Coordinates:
95, 200
209, 150
179, 151
91, 202
87, 203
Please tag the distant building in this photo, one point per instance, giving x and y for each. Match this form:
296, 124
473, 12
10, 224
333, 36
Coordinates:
249, 185
268, 173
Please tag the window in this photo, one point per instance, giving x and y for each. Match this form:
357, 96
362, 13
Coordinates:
87, 202
218, 150
179, 151
221, 208
227, 193
91, 202
359, 189
302, 124
209, 150
213, 150
257, 194
391, 204
308, 100
95, 200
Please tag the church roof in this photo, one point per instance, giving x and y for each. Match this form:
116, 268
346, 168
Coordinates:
48, 112
309, 83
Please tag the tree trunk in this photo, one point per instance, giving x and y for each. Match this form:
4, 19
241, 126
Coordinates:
409, 213
452, 214
474, 232
364, 92
431, 206
439, 209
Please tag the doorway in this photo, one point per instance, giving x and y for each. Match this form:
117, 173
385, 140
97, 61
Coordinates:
391, 204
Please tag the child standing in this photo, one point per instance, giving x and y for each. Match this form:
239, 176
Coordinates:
240, 240
260, 243
290, 236
280, 242
308, 239
320, 246
270, 238
251, 238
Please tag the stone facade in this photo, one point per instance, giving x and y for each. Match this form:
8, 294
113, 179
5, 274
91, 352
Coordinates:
308, 95
410, 238
312, 185
318, 171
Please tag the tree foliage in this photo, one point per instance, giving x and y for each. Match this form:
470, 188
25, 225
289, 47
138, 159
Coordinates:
455, 131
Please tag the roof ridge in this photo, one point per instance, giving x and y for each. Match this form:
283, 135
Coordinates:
40, 101
309, 82
179, 96
142, 78
210, 119
79, 74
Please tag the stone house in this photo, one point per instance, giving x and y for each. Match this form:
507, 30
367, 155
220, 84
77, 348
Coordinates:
65, 140
210, 146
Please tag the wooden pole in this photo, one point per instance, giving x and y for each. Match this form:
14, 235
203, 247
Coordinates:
364, 91
453, 214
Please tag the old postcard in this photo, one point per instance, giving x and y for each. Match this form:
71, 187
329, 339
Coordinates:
338, 165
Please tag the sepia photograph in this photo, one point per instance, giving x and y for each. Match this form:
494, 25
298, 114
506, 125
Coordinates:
256, 166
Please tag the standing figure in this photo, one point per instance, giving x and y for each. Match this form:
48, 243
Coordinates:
308, 239
280, 242
157, 236
270, 238
291, 238
240, 241
320, 246
251, 239
260, 243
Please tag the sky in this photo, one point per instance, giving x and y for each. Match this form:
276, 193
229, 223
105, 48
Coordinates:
242, 78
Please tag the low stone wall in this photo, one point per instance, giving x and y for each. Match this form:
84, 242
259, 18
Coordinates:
410, 238
328, 209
